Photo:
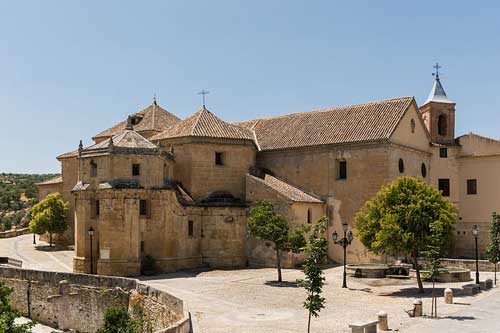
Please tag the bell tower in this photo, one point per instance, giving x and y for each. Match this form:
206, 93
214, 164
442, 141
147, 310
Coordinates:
438, 113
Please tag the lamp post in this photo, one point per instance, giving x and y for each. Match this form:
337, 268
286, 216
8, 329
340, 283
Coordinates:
475, 232
91, 233
344, 242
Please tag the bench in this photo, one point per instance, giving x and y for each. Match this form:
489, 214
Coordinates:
369, 327
471, 289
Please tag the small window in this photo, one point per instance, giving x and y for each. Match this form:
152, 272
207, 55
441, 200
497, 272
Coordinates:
443, 152
342, 169
218, 159
401, 165
471, 186
309, 216
423, 170
97, 208
94, 209
136, 169
444, 187
143, 208
442, 125
412, 125
93, 169
190, 229
142, 246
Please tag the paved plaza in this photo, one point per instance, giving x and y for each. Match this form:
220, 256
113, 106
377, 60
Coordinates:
248, 300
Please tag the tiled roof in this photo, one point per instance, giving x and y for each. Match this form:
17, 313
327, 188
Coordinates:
128, 141
73, 153
285, 189
55, 180
374, 121
205, 124
152, 118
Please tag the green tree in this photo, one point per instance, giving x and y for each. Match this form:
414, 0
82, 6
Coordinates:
317, 251
432, 255
117, 320
49, 216
493, 250
265, 224
403, 218
8, 315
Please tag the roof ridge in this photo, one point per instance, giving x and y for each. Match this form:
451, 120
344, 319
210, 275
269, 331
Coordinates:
327, 109
481, 136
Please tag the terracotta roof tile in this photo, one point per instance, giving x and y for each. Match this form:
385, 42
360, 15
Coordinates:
55, 180
367, 122
128, 141
152, 118
285, 189
73, 153
205, 124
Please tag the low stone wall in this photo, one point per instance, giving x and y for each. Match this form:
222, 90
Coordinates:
14, 232
38, 295
484, 265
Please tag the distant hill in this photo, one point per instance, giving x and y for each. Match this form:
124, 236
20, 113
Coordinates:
18, 194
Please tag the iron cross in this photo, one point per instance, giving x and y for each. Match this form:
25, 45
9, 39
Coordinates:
204, 92
436, 67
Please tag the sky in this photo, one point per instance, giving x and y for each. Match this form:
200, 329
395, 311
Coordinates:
70, 69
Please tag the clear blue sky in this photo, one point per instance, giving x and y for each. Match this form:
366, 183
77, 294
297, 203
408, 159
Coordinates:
69, 69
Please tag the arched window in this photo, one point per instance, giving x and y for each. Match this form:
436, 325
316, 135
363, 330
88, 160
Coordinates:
401, 165
309, 216
423, 169
442, 125
412, 125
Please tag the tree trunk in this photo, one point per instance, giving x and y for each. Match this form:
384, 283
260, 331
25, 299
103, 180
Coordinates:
495, 274
417, 271
278, 263
434, 301
50, 239
309, 323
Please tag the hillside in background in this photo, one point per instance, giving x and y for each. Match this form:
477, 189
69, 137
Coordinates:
18, 194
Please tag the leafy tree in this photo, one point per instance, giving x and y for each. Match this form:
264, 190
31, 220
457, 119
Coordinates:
49, 216
316, 250
8, 315
432, 255
117, 320
494, 247
265, 224
403, 217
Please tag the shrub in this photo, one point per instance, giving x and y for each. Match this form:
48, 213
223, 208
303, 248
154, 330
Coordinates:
117, 320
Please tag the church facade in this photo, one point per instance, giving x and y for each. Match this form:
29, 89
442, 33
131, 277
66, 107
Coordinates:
180, 190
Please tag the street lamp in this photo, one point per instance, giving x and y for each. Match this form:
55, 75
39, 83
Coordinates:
475, 232
91, 233
344, 242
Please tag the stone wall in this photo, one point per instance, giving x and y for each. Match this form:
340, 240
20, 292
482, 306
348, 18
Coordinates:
14, 232
484, 265
90, 296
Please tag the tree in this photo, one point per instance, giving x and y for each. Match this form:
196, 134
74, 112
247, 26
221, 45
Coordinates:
265, 224
403, 218
117, 320
316, 250
493, 250
8, 315
49, 216
432, 255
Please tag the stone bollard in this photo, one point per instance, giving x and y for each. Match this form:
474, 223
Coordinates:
383, 323
417, 306
448, 296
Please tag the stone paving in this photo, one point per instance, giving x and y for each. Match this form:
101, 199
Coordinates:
248, 300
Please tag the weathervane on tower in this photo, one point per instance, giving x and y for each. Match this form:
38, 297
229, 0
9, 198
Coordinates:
204, 92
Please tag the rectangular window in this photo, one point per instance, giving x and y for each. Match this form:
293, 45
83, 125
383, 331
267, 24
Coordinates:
144, 208
443, 152
218, 158
444, 187
342, 169
471, 186
142, 246
93, 170
97, 208
136, 169
190, 229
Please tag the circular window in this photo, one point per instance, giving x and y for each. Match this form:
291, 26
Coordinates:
401, 165
423, 169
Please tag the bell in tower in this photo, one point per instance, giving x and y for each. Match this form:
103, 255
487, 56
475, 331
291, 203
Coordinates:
438, 113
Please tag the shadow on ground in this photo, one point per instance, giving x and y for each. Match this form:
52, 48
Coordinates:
53, 248
414, 292
282, 284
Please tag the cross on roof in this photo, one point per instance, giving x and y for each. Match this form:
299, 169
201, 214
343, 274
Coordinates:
204, 92
436, 67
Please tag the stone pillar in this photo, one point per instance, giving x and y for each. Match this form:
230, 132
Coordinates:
418, 309
383, 323
448, 296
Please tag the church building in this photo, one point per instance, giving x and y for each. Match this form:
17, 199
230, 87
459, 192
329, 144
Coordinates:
181, 190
